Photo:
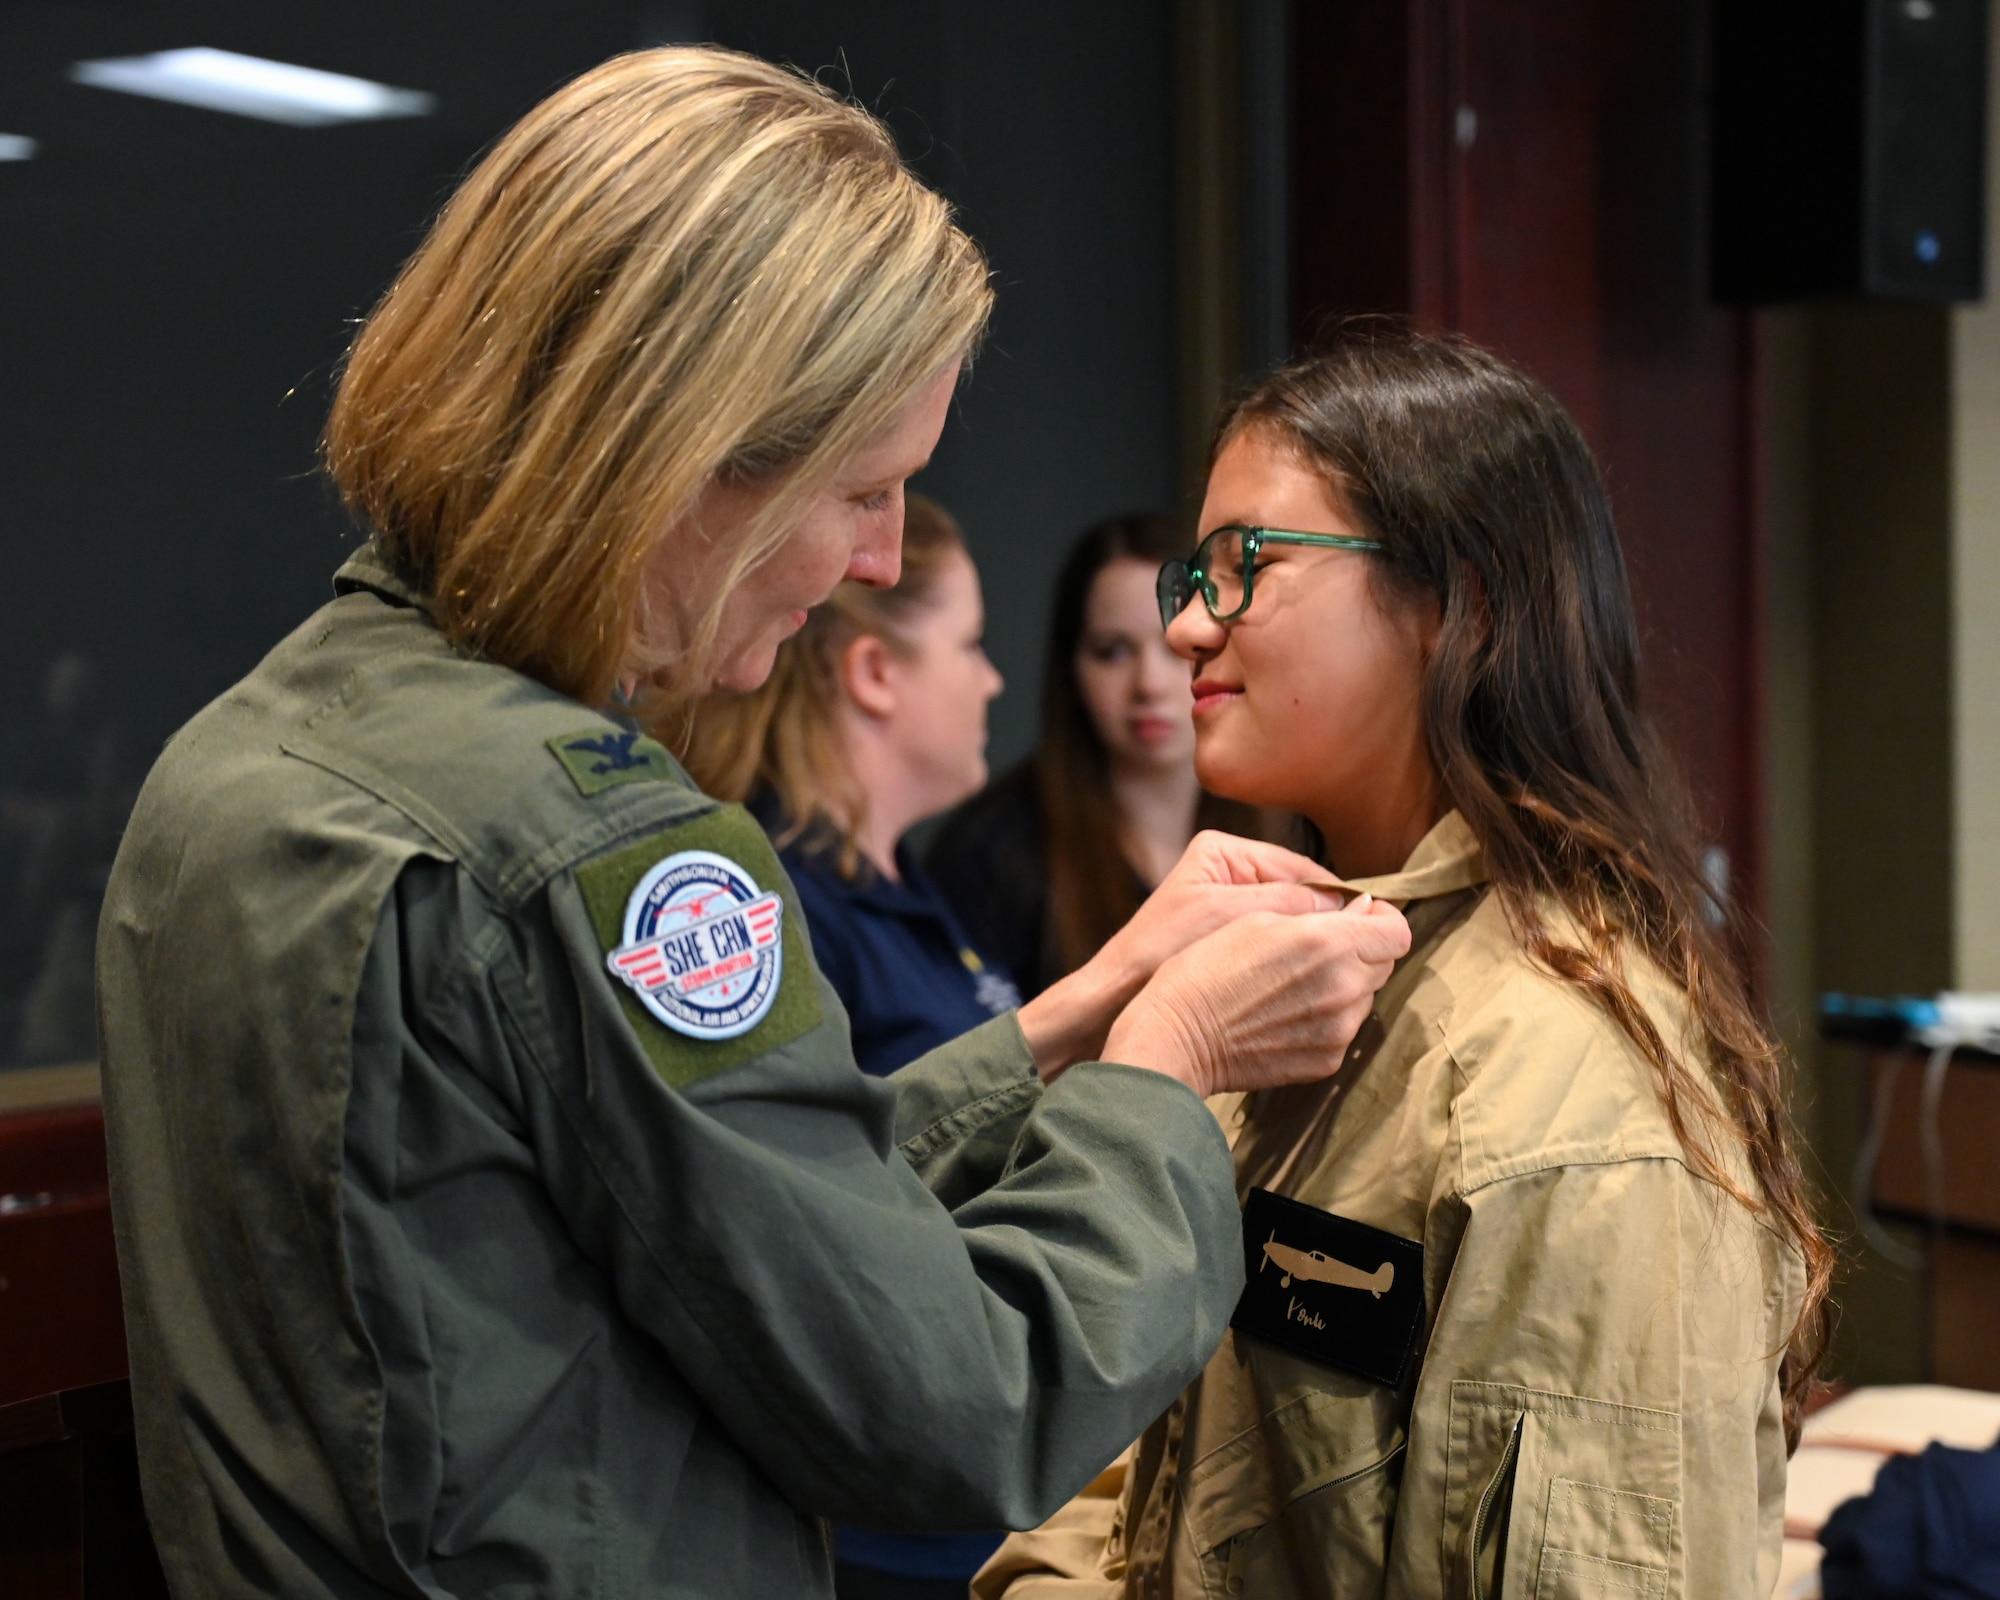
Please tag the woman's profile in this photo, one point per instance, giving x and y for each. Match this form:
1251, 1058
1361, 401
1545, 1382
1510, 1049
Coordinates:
1534, 1288
1052, 860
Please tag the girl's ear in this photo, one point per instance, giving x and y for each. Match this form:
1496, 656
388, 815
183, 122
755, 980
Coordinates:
1468, 599
866, 677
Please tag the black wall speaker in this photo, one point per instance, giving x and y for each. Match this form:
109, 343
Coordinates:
1849, 149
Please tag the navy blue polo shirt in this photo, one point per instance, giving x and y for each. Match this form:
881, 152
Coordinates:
896, 955
910, 979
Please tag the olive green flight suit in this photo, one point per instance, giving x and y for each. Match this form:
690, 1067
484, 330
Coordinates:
1594, 1408
451, 1270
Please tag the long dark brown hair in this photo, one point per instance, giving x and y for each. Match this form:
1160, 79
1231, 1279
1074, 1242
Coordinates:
1486, 499
1093, 889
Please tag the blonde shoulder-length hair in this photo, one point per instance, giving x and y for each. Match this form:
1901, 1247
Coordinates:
784, 739
687, 266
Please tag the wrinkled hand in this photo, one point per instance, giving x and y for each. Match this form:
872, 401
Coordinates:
1218, 879
1267, 1000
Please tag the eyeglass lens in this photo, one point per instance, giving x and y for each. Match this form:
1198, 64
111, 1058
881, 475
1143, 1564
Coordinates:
1221, 561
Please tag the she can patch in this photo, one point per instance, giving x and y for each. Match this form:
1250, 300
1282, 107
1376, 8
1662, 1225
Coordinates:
702, 946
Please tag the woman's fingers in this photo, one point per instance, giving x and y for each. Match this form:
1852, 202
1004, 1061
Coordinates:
1213, 857
1266, 1000
1068, 1021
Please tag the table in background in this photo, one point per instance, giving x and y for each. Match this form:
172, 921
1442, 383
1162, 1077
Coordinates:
72, 1526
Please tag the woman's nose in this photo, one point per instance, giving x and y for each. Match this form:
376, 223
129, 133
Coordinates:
1194, 635
1160, 673
877, 557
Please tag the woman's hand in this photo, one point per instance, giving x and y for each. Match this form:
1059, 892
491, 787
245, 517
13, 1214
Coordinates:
1219, 879
1268, 1000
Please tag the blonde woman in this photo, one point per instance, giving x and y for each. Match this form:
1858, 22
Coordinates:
499, 1207
873, 719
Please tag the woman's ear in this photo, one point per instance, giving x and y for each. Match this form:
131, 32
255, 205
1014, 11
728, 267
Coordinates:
866, 675
1472, 592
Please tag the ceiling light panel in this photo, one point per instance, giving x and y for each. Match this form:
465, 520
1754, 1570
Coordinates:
17, 147
250, 86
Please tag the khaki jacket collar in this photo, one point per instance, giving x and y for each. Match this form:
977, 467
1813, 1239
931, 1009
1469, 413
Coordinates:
1446, 859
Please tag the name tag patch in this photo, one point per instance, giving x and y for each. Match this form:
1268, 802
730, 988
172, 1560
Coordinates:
701, 946
1331, 1290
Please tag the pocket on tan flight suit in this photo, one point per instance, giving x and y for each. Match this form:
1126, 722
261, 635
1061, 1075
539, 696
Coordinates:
1308, 1492
1583, 1494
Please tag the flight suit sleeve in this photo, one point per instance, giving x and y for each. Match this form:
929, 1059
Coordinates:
886, 1354
1610, 1412
961, 1108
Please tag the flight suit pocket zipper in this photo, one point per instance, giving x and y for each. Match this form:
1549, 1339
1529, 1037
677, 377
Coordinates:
1493, 1503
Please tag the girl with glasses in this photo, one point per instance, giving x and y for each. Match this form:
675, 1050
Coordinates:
1534, 1285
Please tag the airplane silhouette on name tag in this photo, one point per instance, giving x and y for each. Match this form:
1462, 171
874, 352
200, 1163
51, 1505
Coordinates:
1309, 1266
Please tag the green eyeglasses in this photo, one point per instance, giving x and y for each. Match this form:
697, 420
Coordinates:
1225, 564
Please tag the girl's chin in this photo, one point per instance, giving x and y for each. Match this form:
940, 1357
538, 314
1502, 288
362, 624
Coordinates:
1226, 778
1157, 758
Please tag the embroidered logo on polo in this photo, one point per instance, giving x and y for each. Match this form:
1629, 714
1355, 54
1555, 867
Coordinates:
1330, 1289
701, 946
993, 990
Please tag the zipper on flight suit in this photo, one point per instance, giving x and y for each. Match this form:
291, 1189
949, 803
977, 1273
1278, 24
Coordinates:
1497, 1494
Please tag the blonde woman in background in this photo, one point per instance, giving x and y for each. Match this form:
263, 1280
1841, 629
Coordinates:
499, 1207
873, 719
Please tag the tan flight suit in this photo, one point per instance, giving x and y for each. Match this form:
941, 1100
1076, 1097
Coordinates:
1595, 1408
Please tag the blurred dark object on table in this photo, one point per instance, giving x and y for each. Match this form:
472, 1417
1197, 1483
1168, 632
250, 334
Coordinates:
1929, 1530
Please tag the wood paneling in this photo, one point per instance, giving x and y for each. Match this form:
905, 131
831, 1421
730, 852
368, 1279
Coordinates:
1968, 1133
1530, 172
61, 1316
1965, 1312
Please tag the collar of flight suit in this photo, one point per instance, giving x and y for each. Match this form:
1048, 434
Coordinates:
1446, 859
370, 568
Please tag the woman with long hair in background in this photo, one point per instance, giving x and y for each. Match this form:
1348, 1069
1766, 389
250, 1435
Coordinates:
1055, 857
1535, 1288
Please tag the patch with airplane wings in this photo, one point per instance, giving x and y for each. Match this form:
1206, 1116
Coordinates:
703, 944
1330, 1289
701, 949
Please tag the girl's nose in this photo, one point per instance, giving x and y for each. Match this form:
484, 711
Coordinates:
1160, 673
1194, 635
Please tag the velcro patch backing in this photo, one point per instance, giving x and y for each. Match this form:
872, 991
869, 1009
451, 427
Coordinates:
601, 758
607, 884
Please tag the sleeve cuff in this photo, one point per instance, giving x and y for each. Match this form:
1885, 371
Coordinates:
945, 1097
